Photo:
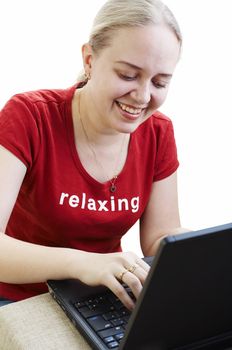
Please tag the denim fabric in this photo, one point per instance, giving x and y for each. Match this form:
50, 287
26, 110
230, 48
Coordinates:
4, 301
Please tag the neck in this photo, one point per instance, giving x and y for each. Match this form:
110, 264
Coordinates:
98, 132
101, 151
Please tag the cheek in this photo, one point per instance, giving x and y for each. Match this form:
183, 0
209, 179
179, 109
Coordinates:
158, 99
119, 89
116, 88
110, 90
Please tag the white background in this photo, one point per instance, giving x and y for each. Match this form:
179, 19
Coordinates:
40, 45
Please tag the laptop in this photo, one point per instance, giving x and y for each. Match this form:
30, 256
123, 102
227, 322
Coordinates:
185, 304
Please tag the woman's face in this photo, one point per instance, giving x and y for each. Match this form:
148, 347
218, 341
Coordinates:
130, 78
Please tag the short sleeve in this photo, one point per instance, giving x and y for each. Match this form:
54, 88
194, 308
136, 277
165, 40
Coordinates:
166, 159
19, 130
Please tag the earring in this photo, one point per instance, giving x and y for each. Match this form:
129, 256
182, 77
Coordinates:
87, 76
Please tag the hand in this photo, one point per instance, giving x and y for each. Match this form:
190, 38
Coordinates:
113, 269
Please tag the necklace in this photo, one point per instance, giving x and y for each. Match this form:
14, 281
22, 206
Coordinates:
98, 163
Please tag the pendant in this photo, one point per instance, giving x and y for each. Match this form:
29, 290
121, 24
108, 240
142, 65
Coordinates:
113, 188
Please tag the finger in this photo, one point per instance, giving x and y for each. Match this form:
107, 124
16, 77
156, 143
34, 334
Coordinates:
139, 269
133, 282
141, 274
132, 258
116, 287
143, 264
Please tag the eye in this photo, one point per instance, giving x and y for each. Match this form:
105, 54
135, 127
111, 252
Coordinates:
160, 84
127, 77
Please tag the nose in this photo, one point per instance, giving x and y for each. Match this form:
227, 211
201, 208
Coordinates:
142, 94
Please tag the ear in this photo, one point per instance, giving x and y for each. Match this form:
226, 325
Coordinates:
87, 57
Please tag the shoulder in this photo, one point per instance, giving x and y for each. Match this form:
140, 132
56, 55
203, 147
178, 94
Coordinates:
157, 124
37, 105
159, 120
43, 96
35, 110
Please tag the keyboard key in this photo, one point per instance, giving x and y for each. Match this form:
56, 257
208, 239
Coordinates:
123, 313
86, 312
91, 306
110, 332
110, 316
98, 302
79, 304
108, 339
126, 319
117, 322
113, 345
119, 336
116, 302
98, 323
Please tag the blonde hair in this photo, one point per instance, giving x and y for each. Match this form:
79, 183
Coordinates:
117, 14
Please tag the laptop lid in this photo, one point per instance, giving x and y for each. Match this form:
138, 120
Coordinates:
186, 301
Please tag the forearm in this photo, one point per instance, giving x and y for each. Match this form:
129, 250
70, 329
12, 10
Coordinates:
156, 243
22, 262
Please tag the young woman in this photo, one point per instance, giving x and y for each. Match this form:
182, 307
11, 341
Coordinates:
80, 166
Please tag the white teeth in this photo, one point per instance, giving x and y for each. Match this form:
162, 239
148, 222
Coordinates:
129, 109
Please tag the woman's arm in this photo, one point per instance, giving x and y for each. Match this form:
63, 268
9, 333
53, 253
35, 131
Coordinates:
23, 262
161, 216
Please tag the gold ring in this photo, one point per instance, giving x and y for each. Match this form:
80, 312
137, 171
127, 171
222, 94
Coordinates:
132, 268
120, 277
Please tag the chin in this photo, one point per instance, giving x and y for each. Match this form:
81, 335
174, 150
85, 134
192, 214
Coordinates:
128, 128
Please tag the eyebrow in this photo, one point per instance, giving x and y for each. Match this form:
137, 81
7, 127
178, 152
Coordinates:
165, 75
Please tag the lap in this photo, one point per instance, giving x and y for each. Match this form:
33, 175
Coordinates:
38, 323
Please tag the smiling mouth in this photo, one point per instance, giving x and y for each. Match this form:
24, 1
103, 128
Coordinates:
129, 109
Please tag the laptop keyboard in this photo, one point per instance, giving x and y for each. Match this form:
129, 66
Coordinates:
107, 316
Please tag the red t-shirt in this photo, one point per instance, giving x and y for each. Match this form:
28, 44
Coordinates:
59, 203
